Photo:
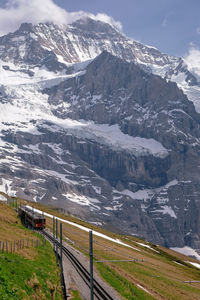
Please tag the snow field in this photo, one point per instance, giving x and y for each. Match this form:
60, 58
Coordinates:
188, 251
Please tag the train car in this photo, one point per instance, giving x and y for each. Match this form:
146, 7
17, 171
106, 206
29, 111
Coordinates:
30, 218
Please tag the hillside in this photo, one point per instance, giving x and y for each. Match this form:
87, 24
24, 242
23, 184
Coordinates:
29, 271
136, 269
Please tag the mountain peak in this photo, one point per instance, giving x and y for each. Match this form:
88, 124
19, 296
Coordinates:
90, 25
25, 28
143, 166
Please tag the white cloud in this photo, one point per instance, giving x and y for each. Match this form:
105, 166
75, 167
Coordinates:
107, 19
192, 59
17, 12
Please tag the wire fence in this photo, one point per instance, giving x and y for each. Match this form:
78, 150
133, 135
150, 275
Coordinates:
16, 245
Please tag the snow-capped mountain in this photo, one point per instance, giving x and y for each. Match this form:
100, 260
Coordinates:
80, 41
92, 122
53, 47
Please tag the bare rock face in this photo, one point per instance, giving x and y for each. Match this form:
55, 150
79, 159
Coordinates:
113, 91
88, 127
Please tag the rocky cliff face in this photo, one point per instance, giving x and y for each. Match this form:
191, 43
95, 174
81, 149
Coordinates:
98, 134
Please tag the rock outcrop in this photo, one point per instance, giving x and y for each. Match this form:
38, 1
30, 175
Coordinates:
86, 126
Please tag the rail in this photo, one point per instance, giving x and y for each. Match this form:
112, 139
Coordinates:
99, 292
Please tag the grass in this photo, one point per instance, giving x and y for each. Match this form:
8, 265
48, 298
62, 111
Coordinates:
157, 274
121, 285
22, 278
156, 271
76, 295
29, 273
12, 230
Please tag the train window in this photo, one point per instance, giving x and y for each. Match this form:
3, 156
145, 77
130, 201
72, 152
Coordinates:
40, 220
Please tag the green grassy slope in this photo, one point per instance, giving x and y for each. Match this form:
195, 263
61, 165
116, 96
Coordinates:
30, 272
141, 271
156, 273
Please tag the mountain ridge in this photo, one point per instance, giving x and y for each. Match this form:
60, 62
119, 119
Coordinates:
58, 46
103, 138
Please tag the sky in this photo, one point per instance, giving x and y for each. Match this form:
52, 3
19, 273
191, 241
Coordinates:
172, 26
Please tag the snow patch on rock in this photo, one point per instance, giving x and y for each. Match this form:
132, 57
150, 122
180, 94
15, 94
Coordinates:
188, 251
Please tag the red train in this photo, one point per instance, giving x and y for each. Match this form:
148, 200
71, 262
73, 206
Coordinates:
31, 219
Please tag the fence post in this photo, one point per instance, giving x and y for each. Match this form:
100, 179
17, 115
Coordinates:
43, 224
61, 262
53, 233
25, 218
33, 216
91, 266
43, 221
56, 241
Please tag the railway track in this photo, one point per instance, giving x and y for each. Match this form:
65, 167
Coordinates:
99, 292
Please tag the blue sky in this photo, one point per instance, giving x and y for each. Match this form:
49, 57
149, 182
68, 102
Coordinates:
173, 26
170, 25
